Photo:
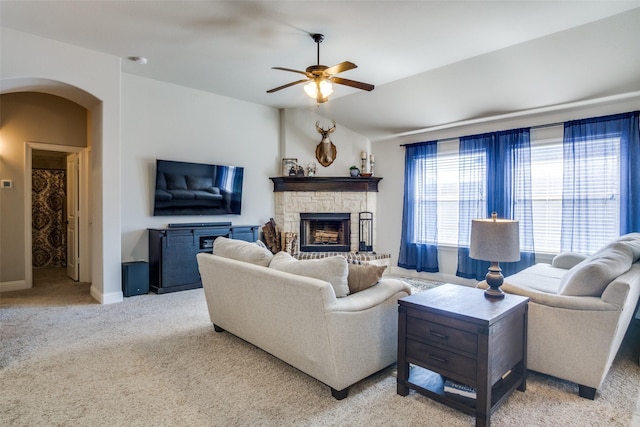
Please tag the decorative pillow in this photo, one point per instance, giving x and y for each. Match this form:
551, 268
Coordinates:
199, 182
567, 260
175, 182
591, 276
363, 276
331, 269
242, 251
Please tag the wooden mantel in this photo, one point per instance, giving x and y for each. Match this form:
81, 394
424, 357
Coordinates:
325, 183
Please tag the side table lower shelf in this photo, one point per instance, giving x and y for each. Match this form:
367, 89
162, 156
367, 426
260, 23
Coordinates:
431, 384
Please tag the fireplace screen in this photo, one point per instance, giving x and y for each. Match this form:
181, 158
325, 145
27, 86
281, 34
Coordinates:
325, 232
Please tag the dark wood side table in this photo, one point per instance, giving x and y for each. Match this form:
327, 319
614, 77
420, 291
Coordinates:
454, 332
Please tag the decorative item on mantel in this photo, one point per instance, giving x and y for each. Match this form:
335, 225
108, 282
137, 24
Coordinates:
371, 163
354, 171
289, 164
311, 169
325, 151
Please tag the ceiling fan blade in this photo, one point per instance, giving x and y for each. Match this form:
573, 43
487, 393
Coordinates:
353, 83
293, 71
275, 89
339, 68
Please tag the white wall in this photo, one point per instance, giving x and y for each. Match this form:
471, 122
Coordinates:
165, 121
92, 79
390, 165
300, 139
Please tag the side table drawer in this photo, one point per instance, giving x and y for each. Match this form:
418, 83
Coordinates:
439, 360
440, 334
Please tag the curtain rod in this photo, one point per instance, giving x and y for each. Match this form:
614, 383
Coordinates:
453, 138
559, 107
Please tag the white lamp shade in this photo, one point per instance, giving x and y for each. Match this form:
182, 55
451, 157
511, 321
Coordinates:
495, 240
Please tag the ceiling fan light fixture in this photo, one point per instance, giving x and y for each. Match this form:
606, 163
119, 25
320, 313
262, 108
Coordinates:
323, 86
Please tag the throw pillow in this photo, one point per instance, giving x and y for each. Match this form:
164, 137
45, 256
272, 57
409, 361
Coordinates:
567, 260
363, 276
331, 269
242, 251
175, 182
199, 182
591, 276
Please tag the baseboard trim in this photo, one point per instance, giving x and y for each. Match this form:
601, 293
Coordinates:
102, 298
16, 285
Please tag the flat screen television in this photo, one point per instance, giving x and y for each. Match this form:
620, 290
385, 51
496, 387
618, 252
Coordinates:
184, 188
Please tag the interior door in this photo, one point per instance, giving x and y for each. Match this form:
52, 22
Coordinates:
73, 204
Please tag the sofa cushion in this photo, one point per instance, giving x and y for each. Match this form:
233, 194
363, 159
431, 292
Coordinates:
175, 181
162, 195
632, 240
205, 195
363, 276
242, 251
333, 269
591, 276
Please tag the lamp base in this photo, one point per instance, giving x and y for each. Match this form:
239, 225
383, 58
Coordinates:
494, 279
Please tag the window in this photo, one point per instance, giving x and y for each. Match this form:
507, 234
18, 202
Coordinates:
449, 167
546, 192
448, 193
598, 196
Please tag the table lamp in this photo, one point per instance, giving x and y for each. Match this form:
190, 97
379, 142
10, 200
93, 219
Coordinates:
495, 240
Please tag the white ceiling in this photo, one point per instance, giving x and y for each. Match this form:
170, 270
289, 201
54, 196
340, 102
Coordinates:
432, 62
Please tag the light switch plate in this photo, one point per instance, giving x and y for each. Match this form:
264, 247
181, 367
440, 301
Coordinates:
6, 183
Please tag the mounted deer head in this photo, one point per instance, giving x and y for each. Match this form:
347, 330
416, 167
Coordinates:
325, 150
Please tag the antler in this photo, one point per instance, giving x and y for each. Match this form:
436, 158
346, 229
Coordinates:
322, 131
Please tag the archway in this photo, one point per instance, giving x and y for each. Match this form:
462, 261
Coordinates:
90, 193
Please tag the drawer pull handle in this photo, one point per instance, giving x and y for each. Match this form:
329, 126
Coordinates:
436, 334
439, 359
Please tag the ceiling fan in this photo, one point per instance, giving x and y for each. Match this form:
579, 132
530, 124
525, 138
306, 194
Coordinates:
320, 77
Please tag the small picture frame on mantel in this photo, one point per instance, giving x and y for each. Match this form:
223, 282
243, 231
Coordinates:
289, 163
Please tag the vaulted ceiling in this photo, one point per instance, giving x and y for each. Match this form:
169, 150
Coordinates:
432, 62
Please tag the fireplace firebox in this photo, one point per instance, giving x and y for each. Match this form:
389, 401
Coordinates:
325, 232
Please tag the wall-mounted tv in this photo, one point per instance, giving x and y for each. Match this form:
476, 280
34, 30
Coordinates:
184, 188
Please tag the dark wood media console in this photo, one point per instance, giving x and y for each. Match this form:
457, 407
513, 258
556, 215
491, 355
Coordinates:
172, 253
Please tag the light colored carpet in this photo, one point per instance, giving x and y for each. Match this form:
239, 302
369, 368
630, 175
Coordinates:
155, 360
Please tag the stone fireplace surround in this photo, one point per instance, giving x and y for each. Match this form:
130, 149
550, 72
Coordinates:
293, 196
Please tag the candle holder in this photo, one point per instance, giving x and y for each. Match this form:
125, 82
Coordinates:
363, 165
371, 163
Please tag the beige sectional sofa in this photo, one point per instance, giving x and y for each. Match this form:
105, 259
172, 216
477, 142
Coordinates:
580, 308
267, 301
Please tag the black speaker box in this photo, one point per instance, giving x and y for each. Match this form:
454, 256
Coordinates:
135, 278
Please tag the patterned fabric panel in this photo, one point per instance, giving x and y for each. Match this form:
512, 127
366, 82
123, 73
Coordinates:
48, 228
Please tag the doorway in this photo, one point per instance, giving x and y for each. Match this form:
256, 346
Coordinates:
57, 184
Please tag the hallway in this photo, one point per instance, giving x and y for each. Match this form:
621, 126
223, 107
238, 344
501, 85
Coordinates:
51, 288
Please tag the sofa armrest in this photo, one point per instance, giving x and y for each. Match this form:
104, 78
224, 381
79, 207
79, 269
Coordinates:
561, 301
370, 297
